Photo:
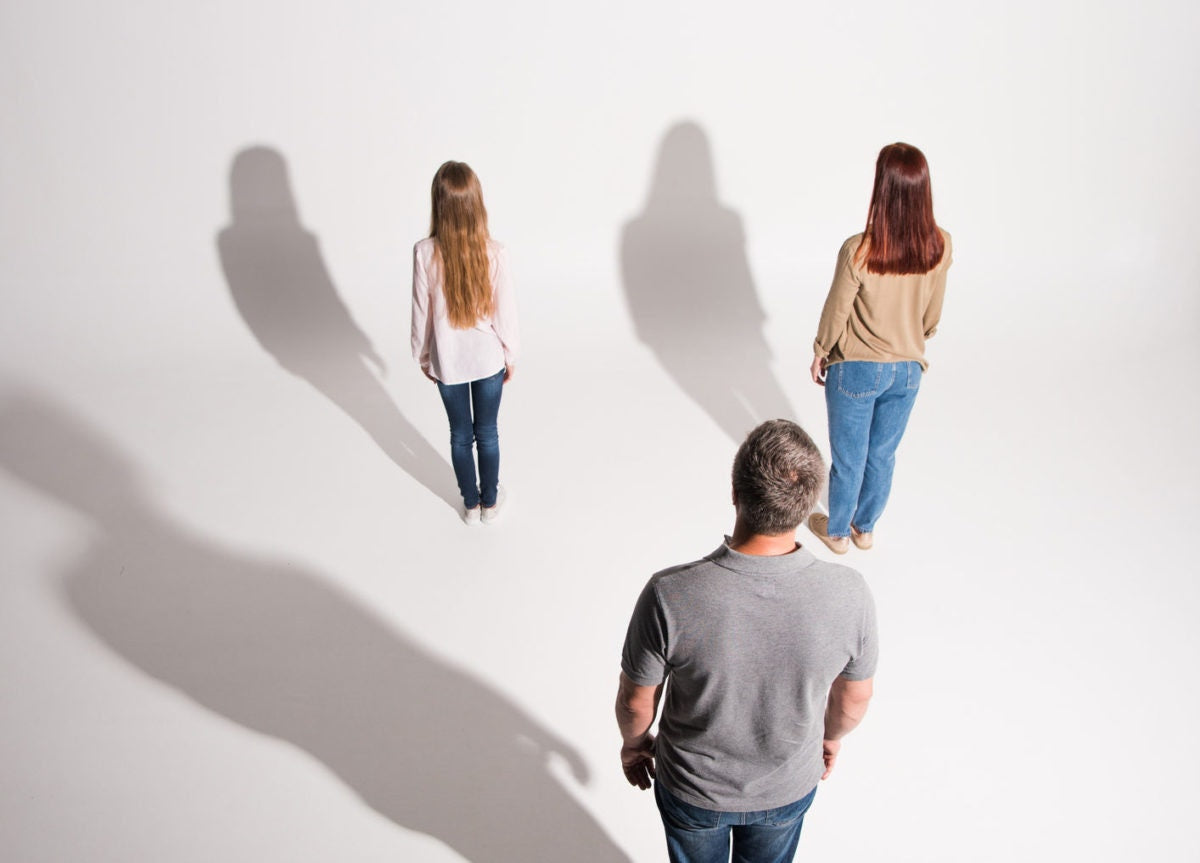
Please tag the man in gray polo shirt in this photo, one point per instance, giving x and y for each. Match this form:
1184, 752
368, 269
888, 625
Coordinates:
769, 653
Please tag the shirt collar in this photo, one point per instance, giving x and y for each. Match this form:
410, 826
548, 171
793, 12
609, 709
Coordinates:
755, 564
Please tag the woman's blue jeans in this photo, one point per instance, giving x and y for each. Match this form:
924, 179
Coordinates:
472, 409
696, 835
868, 406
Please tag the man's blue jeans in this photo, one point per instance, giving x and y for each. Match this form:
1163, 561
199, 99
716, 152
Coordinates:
696, 835
868, 406
472, 409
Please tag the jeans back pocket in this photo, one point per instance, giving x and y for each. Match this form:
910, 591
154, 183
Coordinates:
684, 816
858, 379
914, 375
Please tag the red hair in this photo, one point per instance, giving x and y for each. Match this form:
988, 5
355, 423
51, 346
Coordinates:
901, 235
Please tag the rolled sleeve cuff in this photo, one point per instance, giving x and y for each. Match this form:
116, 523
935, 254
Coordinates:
642, 679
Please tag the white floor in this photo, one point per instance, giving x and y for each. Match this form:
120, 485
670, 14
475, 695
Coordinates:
239, 619
240, 622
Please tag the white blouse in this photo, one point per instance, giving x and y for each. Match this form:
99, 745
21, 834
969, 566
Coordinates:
457, 356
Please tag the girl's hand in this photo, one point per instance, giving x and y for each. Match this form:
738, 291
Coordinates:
818, 371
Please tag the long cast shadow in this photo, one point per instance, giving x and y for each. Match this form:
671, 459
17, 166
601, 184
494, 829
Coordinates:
284, 652
691, 294
282, 289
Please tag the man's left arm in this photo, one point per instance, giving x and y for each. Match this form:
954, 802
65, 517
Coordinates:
636, 708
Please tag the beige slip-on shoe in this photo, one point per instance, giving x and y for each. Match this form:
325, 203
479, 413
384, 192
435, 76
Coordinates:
818, 523
861, 539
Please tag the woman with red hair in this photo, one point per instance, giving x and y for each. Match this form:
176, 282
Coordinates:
869, 353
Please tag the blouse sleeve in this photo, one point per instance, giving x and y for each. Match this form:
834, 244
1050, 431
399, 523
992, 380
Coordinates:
839, 302
422, 322
504, 319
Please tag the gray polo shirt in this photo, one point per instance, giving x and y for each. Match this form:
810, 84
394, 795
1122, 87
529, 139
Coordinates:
750, 646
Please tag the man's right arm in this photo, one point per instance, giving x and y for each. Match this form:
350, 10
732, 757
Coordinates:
636, 708
847, 705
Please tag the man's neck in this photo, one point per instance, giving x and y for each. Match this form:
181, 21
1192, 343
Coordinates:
744, 541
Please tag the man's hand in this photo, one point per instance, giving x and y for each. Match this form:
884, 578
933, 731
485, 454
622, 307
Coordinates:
830, 748
638, 762
636, 707
847, 704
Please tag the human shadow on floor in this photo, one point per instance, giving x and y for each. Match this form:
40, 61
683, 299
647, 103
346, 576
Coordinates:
282, 289
284, 652
690, 292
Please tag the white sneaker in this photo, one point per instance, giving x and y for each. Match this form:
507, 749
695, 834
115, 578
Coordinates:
471, 516
492, 513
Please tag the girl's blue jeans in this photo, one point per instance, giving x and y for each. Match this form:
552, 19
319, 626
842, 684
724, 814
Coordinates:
868, 406
472, 409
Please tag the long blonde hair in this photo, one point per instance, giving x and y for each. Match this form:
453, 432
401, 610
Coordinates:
458, 226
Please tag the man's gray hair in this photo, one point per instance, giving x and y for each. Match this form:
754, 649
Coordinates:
777, 475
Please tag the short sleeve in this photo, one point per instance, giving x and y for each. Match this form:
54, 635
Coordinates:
862, 665
644, 657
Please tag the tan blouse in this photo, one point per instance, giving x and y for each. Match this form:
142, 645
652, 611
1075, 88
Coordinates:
880, 318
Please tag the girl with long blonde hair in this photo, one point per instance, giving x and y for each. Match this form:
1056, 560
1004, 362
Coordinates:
464, 331
869, 353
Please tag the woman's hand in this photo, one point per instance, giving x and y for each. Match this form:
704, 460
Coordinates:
818, 371
425, 372
509, 371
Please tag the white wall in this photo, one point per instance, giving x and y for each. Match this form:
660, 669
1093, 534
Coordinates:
1062, 140
1060, 135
